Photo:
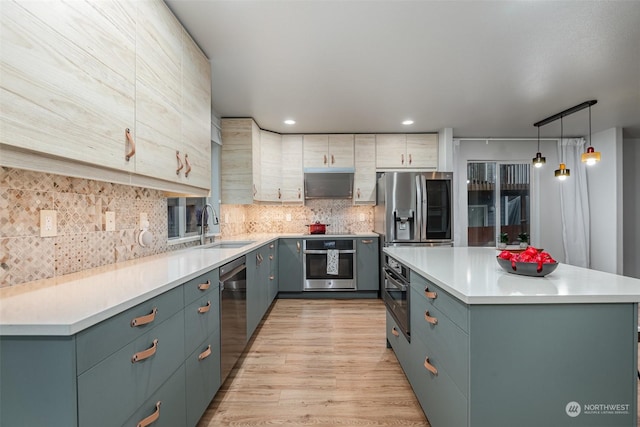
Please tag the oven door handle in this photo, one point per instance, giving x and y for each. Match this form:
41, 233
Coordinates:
394, 281
320, 252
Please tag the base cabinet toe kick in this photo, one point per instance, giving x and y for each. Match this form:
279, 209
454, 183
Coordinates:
518, 364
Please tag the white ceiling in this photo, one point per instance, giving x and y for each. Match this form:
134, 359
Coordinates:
485, 69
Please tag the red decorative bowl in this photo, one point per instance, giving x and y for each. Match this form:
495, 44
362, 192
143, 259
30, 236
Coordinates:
526, 268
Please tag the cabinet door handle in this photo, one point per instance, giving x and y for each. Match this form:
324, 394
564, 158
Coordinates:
205, 353
430, 294
430, 367
410, 160
145, 354
180, 164
325, 159
272, 277
333, 159
271, 246
430, 319
205, 308
358, 193
279, 194
402, 159
298, 246
299, 193
186, 160
395, 332
367, 242
151, 418
132, 145
271, 257
143, 320
204, 286
255, 190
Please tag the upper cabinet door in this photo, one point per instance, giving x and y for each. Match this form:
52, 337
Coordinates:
236, 163
391, 151
292, 175
341, 151
422, 151
270, 165
158, 92
316, 151
364, 181
68, 79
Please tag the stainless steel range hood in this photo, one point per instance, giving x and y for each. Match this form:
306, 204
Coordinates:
326, 183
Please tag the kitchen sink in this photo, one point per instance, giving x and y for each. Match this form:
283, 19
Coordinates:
227, 244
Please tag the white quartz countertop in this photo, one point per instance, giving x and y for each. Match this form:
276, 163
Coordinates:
68, 304
474, 276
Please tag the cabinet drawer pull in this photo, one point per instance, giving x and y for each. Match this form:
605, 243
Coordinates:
205, 308
186, 160
325, 159
271, 246
180, 164
205, 353
271, 257
402, 159
358, 193
299, 194
132, 144
298, 246
410, 160
145, 354
430, 319
272, 277
430, 294
430, 367
204, 286
367, 242
143, 320
333, 160
151, 418
395, 332
279, 194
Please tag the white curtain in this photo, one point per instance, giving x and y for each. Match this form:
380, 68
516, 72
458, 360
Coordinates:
574, 204
460, 220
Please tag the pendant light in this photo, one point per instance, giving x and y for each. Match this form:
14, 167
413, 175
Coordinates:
591, 157
562, 172
538, 160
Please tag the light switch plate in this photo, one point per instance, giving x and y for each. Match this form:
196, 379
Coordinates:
110, 221
288, 217
361, 217
48, 223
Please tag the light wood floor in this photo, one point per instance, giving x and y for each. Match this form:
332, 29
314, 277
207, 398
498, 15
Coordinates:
320, 363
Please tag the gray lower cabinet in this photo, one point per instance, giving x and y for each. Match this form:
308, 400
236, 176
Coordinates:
261, 275
115, 372
525, 364
273, 271
290, 265
367, 264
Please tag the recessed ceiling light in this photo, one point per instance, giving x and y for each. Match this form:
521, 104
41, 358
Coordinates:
289, 122
407, 122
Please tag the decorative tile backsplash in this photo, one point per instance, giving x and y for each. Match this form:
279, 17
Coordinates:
82, 242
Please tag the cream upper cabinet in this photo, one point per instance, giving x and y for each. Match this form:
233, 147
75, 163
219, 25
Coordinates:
292, 174
68, 80
328, 151
364, 182
76, 75
172, 100
236, 163
415, 151
268, 178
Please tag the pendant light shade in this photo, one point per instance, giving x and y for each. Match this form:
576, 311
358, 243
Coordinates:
562, 173
591, 157
538, 160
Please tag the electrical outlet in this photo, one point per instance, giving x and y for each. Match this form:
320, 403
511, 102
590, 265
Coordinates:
110, 221
361, 217
288, 217
48, 223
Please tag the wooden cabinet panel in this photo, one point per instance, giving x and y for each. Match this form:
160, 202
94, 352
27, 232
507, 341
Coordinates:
66, 91
422, 151
236, 167
316, 151
292, 175
341, 151
269, 180
364, 180
391, 150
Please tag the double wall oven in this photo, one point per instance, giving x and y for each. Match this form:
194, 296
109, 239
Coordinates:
395, 292
329, 264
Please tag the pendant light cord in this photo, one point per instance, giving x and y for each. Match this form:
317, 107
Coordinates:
538, 139
561, 144
589, 125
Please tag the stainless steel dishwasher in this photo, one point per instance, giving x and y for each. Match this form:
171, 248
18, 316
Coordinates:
233, 314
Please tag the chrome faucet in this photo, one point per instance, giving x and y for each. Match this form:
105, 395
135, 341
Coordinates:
203, 227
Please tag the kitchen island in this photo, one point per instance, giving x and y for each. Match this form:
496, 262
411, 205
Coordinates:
490, 348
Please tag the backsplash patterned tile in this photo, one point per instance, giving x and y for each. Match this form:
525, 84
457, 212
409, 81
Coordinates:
81, 242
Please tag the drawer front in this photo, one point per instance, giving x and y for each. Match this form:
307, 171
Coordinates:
449, 343
172, 410
201, 319
203, 377
112, 390
400, 345
450, 306
200, 286
441, 400
105, 338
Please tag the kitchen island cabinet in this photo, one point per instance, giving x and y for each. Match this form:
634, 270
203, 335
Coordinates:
491, 348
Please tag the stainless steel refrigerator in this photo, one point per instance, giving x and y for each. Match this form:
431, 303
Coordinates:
415, 208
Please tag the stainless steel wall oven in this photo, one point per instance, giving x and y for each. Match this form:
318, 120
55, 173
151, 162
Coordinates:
395, 293
320, 273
